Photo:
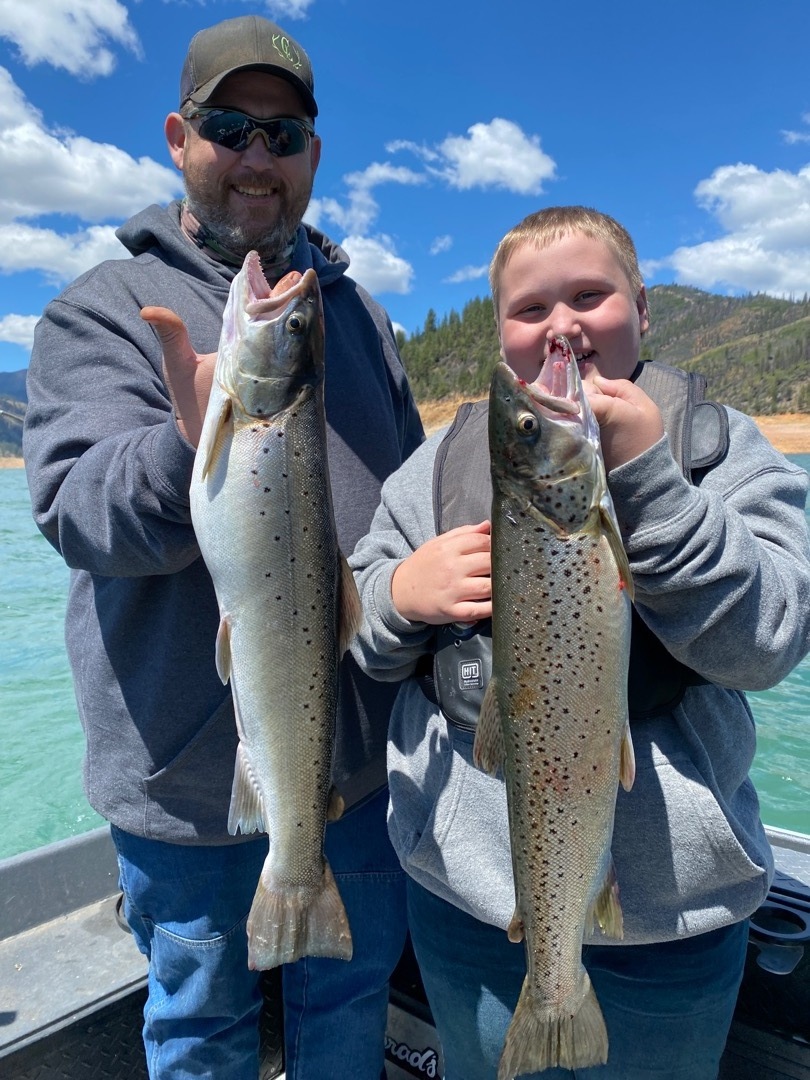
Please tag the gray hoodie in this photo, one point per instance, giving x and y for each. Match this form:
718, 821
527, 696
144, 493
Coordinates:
722, 577
109, 475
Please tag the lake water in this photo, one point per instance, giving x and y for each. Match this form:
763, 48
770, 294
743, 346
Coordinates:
41, 798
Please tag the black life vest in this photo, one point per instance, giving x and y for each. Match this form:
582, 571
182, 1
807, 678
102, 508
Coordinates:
455, 674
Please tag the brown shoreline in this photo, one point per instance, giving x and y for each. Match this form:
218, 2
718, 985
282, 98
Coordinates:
789, 433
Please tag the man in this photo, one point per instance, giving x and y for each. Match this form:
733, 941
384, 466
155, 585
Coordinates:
109, 463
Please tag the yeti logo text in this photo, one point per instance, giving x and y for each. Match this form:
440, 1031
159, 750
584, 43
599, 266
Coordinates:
470, 675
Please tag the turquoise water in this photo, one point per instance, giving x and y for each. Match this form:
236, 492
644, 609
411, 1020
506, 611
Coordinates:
41, 798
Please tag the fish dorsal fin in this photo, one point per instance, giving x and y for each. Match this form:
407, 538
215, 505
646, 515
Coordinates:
214, 439
350, 611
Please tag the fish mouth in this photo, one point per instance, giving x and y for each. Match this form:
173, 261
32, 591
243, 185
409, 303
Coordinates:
265, 303
557, 390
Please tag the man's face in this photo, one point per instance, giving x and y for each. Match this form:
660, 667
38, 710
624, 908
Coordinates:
248, 199
576, 287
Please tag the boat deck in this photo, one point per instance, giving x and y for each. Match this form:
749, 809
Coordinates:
72, 982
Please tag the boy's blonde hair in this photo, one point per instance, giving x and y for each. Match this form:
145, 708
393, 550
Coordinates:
545, 227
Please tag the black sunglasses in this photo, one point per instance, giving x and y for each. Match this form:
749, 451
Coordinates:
283, 135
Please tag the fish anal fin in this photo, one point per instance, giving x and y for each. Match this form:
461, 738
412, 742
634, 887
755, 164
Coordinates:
627, 760
606, 909
516, 929
216, 435
350, 611
537, 1040
489, 752
223, 649
287, 922
246, 812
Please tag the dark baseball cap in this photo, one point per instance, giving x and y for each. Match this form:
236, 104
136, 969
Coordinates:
248, 43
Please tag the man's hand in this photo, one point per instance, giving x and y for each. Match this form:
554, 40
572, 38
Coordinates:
188, 375
629, 421
447, 579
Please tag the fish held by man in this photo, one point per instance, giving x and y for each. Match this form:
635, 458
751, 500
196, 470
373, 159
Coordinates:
262, 512
554, 717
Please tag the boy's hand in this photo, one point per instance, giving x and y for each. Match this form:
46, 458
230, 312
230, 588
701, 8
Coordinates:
447, 579
629, 421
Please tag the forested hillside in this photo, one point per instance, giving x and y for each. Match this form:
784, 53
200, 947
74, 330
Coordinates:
755, 350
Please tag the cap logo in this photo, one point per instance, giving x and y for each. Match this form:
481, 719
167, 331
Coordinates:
287, 51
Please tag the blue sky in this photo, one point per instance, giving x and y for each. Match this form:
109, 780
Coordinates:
444, 123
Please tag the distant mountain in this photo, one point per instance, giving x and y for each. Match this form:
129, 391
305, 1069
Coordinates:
13, 400
754, 350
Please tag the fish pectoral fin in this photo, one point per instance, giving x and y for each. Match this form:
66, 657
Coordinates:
246, 812
613, 538
223, 649
627, 760
606, 909
287, 922
489, 752
335, 806
215, 437
349, 608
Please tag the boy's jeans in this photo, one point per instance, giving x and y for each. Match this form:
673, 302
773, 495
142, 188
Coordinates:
188, 906
668, 1007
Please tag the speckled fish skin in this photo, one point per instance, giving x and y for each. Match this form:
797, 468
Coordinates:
554, 717
262, 511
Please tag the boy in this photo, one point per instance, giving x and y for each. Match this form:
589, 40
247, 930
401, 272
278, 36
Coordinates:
722, 584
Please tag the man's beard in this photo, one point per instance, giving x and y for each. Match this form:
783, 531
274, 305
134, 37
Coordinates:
208, 204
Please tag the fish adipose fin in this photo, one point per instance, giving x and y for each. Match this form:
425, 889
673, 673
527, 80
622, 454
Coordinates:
535, 1040
489, 752
350, 611
246, 812
287, 922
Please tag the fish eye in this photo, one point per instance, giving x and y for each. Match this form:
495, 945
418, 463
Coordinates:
527, 423
295, 324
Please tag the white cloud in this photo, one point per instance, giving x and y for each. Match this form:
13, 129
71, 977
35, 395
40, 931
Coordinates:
765, 217
497, 155
44, 172
441, 244
362, 209
75, 35
287, 9
18, 329
376, 265
467, 273
60, 258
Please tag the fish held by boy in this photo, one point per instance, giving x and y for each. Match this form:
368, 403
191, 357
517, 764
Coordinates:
262, 511
554, 716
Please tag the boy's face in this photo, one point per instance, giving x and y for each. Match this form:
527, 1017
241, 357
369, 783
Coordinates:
576, 287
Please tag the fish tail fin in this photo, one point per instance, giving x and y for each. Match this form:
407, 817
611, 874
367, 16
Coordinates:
538, 1040
287, 922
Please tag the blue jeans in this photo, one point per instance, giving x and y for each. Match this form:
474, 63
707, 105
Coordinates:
667, 1007
188, 907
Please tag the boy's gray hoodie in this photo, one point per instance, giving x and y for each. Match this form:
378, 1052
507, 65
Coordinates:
722, 577
109, 474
